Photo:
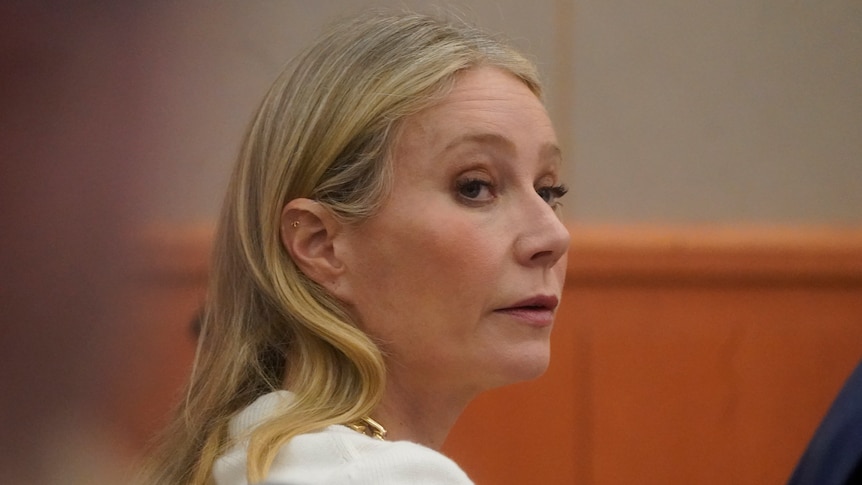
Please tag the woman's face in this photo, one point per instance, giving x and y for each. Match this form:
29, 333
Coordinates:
459, 273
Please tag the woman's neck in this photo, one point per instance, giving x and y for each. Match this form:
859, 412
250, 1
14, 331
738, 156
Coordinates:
415, 413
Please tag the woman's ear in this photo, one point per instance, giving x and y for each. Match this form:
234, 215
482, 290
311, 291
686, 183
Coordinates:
307, 232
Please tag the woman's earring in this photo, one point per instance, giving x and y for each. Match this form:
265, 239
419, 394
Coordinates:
294, 224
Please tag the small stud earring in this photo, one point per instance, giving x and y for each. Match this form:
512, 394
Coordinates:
294, 224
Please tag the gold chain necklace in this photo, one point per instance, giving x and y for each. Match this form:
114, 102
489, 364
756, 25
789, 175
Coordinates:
368, 427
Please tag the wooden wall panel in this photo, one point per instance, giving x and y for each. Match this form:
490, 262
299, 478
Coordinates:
712, 385
679, 356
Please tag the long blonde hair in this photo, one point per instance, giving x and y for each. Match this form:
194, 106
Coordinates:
322, 132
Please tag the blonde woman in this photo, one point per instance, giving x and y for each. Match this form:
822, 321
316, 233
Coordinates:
389, 248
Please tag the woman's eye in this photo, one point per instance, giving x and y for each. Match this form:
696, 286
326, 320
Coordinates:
475, 190
552, 193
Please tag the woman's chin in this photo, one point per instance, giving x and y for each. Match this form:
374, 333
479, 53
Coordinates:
525, 365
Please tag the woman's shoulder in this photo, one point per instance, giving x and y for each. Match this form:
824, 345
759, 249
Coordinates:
337, 454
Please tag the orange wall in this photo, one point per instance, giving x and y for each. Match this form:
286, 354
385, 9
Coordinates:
679, 356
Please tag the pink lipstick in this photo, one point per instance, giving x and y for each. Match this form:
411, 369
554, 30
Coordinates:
537, 311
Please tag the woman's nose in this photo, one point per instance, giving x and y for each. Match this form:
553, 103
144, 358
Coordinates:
543, 238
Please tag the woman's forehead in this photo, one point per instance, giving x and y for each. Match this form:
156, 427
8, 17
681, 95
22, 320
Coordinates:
485, 107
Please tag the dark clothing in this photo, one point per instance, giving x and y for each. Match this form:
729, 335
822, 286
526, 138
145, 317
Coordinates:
834, 454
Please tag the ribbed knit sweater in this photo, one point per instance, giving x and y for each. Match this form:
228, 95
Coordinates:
334, 455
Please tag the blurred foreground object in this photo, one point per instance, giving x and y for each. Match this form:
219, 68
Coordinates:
834, 455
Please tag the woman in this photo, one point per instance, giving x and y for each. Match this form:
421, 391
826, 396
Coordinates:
389, 247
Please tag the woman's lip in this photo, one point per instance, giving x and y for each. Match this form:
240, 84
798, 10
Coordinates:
534, 316
546, 302
537, 310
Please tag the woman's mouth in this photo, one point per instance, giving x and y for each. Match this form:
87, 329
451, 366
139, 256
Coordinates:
536, 311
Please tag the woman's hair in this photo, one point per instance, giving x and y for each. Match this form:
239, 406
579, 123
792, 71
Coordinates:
323, 132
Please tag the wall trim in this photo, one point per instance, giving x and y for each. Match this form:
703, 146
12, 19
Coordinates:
611, 254
713, 254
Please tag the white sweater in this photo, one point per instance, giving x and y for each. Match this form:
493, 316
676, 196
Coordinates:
334, 455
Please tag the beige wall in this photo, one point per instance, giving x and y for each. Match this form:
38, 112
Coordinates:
722, 111
671, 111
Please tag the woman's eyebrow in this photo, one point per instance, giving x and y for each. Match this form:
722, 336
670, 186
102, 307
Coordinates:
552, 153
549, 152
480, 138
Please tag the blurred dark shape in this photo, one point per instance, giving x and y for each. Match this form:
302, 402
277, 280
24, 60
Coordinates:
67, 173
834, 454
197, 323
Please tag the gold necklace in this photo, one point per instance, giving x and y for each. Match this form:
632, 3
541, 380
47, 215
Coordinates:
368, 427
